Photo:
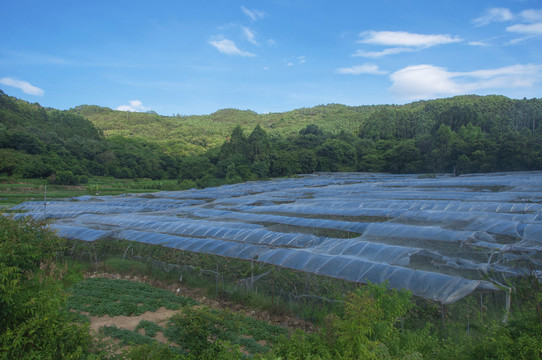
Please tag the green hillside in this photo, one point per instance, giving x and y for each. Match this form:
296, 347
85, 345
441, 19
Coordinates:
36, 142
463, 134
181, 135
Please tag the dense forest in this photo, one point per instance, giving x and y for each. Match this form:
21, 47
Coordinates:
464, 134
36, 142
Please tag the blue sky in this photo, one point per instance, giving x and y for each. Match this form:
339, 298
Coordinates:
196, 57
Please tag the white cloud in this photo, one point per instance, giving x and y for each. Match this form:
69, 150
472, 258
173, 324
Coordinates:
531, 15
249, 35
271, 43
254, 15
361, 69
24, 86
528, 22
403, 38
298, 61
227, 46
377, 54
135, 106
530, 27
494, 15
428, 81
527, 29
401, 41
478, 43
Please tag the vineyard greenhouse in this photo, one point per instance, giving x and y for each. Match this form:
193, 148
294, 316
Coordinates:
441, 237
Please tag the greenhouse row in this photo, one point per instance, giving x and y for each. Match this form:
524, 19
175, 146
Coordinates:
440, 237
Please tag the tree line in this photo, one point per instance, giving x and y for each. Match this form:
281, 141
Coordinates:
439, 137
465, 134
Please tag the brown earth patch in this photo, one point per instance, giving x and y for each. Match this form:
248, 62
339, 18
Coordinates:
159, 317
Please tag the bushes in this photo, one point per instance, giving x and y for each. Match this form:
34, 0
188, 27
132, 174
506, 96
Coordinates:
67, 178
32, 322
369, 330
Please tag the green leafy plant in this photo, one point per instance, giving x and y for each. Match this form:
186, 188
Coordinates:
150, 328
111, 297
32, 321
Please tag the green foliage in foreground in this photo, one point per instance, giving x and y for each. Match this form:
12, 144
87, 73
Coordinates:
198, 329
32, 322
369, 330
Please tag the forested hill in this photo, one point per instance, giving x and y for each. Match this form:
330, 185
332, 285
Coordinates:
464, 134
183, 135
36, 142
194, 134
494, 115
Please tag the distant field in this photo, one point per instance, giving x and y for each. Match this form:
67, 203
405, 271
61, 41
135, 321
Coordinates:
14, 191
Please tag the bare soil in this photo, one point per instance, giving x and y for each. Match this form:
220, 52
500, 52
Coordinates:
158, 317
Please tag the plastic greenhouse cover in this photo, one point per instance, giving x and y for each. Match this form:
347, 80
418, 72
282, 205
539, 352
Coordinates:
437, 237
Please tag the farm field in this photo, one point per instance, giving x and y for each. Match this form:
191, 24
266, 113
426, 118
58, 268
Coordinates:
13, 190
134, 313
440, 237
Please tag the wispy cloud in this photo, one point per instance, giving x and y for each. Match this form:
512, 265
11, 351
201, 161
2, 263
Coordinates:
228, 47
24, 86
135, 106
527, 29
254, 15
493, 15
478, 43
429, 81
33, 58
403, 38
298, 61
377, 54
531, 15
527, 23
249, 35
401, 41
361, 69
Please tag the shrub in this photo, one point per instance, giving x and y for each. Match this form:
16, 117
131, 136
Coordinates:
32, 321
